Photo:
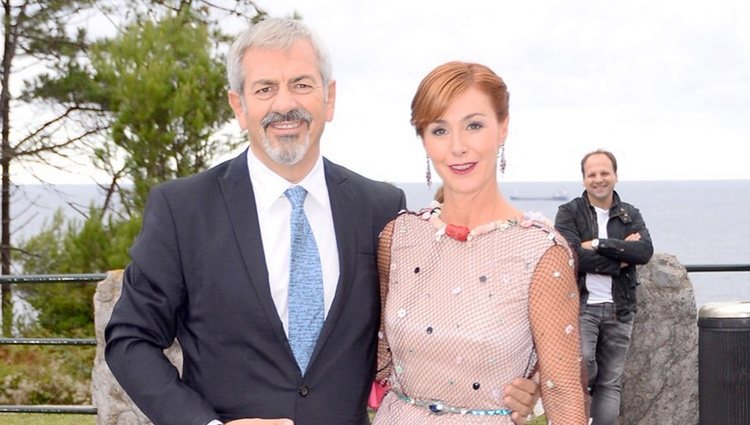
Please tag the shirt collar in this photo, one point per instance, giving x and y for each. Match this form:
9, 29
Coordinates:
268, 186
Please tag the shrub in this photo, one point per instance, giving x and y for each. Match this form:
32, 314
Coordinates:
45, 375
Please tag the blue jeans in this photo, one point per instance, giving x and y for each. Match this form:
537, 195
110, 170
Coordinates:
604, 342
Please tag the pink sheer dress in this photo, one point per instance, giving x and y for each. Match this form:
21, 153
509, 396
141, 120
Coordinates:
465, 314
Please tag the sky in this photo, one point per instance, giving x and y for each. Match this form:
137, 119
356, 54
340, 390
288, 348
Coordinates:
665, 85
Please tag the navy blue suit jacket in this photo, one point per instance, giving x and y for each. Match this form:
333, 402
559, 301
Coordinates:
198, 274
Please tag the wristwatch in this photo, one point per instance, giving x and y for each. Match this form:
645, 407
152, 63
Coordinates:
595, 244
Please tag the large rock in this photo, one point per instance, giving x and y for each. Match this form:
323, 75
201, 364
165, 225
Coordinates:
114, 407
660, 383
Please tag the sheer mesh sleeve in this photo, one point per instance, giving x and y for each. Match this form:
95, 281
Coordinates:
384, 267
553, 310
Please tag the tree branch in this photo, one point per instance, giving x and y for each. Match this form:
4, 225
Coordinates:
53, 121
56, 147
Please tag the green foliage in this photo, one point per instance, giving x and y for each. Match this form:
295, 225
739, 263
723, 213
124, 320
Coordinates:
45, 375
41, 29
166, 92
95, 245
45, 34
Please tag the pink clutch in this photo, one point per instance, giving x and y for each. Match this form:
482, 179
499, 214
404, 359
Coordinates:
378, 391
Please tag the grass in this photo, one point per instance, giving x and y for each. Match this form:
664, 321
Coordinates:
540, 420
46, 419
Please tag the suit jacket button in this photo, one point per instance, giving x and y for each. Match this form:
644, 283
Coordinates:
304, 391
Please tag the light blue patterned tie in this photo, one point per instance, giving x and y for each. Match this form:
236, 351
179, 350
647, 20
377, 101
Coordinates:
305, 282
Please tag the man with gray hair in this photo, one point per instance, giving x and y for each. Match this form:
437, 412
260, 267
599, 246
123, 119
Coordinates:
262, 267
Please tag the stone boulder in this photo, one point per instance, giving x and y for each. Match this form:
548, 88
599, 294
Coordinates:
660, 382
114, 407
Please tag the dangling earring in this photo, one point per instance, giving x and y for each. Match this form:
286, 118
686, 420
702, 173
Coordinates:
501, 157
428, 174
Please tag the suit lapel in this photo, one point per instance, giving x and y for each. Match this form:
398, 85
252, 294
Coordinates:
240, 202
344, 222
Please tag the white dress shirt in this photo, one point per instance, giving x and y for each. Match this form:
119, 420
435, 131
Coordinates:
274, 212
600, 285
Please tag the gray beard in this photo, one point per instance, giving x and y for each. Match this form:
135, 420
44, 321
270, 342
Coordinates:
289, 151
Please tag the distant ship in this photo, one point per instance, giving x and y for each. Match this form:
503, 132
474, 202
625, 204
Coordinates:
559, 196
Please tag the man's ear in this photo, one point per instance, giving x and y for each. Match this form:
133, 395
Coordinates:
330, 100
235, 101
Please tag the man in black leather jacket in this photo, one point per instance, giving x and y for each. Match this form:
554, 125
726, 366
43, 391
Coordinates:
610, 238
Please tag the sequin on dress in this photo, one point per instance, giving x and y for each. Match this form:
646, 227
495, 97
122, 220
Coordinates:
462, 319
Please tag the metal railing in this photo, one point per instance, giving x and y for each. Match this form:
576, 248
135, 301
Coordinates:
40, 280
96, 277
697, 268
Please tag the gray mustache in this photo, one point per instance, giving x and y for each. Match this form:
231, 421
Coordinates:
292, 115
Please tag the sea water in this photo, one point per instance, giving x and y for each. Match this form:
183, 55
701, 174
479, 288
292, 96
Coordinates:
700, 222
